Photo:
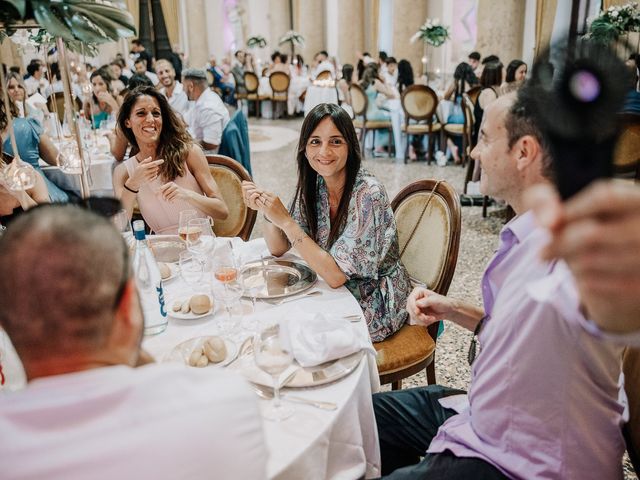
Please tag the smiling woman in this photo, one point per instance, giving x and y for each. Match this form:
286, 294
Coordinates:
340, 221
170, 172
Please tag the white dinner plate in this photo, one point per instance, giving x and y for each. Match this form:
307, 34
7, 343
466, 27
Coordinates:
182, 351
190, 315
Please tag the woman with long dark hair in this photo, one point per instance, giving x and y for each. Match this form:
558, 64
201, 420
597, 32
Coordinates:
340, 220
405, 75
463, 79
169, 173
102, 102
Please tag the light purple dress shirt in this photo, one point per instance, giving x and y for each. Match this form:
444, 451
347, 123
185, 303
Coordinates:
544, 389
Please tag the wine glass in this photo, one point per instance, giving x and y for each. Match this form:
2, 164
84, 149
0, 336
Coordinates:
191, 270
183, 223
201, 241
121, 221
273, 355
19, 176
225, 271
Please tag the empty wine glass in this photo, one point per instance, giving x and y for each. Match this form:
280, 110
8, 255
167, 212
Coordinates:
273, 355
201, 241
191, 270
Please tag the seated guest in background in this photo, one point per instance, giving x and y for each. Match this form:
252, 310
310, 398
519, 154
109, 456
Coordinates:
298, 85
115, 69
90, 409
345, 82
373, 85
514, 78
405, 75
36, 80
172, 88
340, 221
321, 63
17, 93
474, 60
32, 144
221, 81
140, 52
390, 73
490, 81
463, 78
142, 68
208, 116
250, 63
542, 382
237, 70
103, 102
169, 173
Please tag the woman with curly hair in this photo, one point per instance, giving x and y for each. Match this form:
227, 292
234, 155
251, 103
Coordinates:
169, 173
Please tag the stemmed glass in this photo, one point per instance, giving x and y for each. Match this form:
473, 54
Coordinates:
225, 270
183, 223
201, 241
191, 270
121, 221
273, 355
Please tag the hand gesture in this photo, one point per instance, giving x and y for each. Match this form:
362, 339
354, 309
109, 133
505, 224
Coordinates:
145, 171
107, 98
266, 202
172, 191
426, 307
250, 195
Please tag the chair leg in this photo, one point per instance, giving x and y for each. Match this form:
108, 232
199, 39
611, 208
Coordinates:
363, 137
431, 373
430, 149
485, 204
469, 175
391, 143
406, 148
396, 385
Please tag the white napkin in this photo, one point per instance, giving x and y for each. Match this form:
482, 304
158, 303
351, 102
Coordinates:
317, 338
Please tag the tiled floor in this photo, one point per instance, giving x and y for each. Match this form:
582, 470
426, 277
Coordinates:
276, 171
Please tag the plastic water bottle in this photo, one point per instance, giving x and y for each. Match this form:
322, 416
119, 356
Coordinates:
149, 283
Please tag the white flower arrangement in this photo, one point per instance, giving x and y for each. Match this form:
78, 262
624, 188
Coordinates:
615, 21
256, 41
292, 37
432, 32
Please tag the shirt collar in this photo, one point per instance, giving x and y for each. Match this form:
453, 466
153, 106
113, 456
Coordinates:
520, 227
202, 97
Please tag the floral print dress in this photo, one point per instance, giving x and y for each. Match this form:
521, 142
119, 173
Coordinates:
367, 252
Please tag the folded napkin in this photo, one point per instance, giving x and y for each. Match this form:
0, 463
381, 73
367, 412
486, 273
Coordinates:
316, 338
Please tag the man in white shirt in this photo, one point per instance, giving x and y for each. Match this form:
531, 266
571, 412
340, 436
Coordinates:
36, 81
72, 312
390, 73
141, 68
171, 88
208, 116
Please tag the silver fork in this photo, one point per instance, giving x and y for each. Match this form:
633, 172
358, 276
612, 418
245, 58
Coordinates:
313, 293
267, 394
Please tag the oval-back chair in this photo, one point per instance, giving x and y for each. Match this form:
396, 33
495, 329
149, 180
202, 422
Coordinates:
360, 104
279, 82
419, 103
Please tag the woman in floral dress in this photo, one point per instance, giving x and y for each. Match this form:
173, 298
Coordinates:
340, 221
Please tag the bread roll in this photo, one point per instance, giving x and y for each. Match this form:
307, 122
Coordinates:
185, 307
165, 270
200, 304
195, 357
177, 306
215, 349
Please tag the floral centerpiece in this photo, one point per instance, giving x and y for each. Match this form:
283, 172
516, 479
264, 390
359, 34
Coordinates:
432, 32
294, 39
257, 41
615, 21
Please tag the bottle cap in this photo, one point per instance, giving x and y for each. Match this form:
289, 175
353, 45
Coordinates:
138, 229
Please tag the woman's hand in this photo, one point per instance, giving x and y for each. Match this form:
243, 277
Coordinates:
250, 195
145, 171
107, 98
172, 191
269, 204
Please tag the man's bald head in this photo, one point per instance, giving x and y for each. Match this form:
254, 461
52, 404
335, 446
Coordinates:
62, 270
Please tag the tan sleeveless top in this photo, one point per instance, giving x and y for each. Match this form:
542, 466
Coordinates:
163, 216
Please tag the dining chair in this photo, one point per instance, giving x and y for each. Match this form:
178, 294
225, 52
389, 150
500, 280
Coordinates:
419, 103
428, 219
474, 93
252, 83
464, 130
631, 370
279, 82
360, 104
626, 157
324, 75
229, 175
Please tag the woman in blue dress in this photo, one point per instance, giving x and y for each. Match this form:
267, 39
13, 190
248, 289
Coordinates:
377, 93
32, 144
103, 103
340, 221
463, 80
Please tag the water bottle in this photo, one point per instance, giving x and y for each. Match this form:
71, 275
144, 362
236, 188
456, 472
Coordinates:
149, 283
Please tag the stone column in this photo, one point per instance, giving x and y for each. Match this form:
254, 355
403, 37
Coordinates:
278, 25
198, 53
308, 19
504, 37
408, 15
350, 31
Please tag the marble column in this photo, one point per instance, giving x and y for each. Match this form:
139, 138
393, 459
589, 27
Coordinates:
308, 19
504, 37
350, 31
279, 24
408, 15
198, 52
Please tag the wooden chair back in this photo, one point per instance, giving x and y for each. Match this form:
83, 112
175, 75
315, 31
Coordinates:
626, 157
279, 82
359, 101
251, 82
324, 75
419, 102
474, 93
229, 175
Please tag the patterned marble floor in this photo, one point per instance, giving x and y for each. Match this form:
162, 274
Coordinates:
275, 170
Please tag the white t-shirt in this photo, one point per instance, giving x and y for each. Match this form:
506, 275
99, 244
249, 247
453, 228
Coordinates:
207, 118
160, 421
178, 100
32, 85
153, 77
322, 66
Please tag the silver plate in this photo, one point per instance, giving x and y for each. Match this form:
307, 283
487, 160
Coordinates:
306, 377
277, 278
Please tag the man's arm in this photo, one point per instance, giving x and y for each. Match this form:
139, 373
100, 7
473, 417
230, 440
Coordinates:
426, 307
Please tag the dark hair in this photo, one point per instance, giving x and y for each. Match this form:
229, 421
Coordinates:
405, 75
347, 73
324, 52
307, 189
511, 70
475, 56
390, 60
33, 67
463, 73
139, 80
370, 74
300, 60
140, 60
238, 52
4, 121
275, 55
174, 143
55, 71
284, 57
136, 41
104, 74
491, 75
490, 59
382, 55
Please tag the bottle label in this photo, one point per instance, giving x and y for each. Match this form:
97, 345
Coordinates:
159, 289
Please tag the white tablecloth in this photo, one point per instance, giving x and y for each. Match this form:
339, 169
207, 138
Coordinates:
317, 95
313, 443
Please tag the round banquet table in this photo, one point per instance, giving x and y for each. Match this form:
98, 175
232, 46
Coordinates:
316, 95
313, 443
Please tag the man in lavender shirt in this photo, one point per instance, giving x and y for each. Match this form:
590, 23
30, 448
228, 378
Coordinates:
544, 395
